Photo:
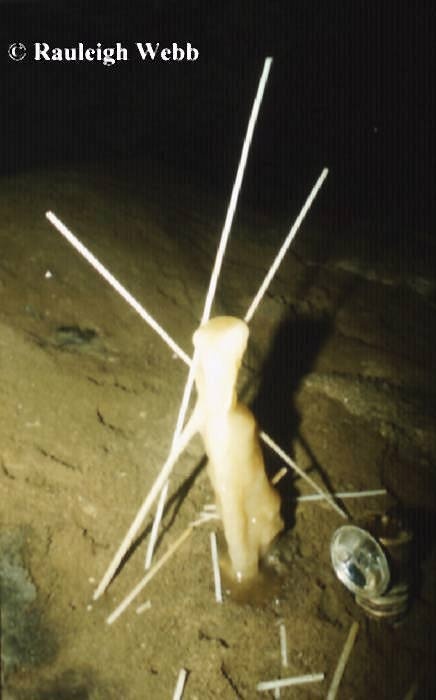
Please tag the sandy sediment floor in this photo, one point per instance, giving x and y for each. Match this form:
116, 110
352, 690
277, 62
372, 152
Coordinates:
340, 369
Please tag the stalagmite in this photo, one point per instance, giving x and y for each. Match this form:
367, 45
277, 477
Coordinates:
247, 503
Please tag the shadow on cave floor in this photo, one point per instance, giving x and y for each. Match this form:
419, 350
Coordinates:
295, 347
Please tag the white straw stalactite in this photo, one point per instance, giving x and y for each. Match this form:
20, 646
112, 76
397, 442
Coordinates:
284, 248
343, 494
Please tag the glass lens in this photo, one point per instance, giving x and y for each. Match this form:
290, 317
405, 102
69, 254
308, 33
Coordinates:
359, 561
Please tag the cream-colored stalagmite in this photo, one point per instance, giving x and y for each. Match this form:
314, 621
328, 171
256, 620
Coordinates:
247, 503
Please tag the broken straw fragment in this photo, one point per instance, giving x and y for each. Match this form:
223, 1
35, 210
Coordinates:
181, 680
142, 608
340, 668
204, 518
214, 279
166, 469
285, 682
283, 654
279, 476
326, 496
216, 568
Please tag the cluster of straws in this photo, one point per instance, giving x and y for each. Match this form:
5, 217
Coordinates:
180, 439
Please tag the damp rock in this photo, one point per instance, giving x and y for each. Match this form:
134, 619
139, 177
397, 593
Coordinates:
68, 336
25, 638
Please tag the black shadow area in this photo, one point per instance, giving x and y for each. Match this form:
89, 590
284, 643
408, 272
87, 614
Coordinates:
296, 345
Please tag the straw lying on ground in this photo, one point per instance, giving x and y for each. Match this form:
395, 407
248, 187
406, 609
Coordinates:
142, 608
139, 587
285, 682
283, 645
323, 494
340, 668
216, 568
181, 680
283, 655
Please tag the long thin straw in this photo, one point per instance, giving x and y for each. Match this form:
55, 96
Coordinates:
283, 250
340, 668
215, 274
122, 291
285, 682
283, 645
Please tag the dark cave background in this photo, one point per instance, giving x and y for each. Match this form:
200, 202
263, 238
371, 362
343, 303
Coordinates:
351, 88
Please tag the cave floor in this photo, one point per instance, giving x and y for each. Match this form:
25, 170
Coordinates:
339, 371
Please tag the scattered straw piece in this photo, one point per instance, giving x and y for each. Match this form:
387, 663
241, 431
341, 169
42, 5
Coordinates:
181, 680
122, 291
216, 568
279, 475
142, 608
283, 654
285, 682
344, 494
138, 588
340, 668
283, 645
204, 518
